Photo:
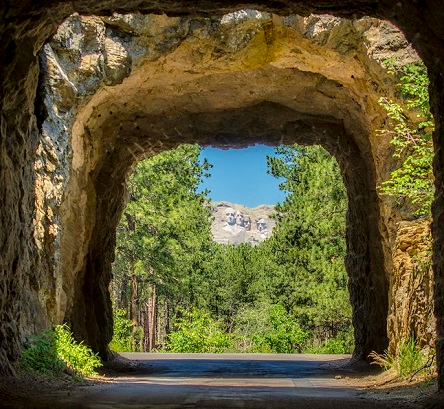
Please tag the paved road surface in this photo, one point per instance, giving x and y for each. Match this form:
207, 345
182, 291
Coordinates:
257, 381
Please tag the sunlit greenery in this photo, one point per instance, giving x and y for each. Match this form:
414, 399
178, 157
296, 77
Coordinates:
124, 337
411, 134
196, 331
411, 131
56, 352
409, 361
178, 290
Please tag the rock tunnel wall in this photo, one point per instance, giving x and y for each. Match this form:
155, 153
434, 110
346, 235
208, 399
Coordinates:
123, 87
24, 264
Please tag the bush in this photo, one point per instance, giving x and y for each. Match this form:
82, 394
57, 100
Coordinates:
124, 340
408, 362
56, 352
269, 328
198, 332
41, 356
332, 346
342, 343
286, 336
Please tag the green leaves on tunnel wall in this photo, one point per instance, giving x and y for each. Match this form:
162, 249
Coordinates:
411, 133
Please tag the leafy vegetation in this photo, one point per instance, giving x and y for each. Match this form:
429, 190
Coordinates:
124, 338
411, 131
56, 352
410, 361
308, 244
183, 292
412, 139
196, 331
162, 244
285, 336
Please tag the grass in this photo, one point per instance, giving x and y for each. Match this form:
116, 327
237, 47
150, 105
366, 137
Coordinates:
409, 362
56, 353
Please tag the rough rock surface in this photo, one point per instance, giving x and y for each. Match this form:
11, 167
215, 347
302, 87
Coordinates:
411, 286
132, 86
26, 25
250, 225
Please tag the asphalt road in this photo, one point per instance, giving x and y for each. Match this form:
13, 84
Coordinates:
257, 381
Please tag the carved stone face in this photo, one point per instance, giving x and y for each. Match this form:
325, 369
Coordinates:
230, 216
247, 223
261, 225
240, 218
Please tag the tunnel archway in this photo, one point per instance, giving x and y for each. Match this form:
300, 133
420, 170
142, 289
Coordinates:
19, 85
265, 96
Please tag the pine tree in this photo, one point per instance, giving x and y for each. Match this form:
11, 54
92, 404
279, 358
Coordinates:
308, 243
163, 241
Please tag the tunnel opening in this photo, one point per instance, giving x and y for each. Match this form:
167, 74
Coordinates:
196, 275
25, 306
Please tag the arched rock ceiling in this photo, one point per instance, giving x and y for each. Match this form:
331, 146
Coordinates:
25, 25
259, 81
275, 87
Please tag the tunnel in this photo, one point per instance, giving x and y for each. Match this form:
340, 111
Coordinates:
268, 95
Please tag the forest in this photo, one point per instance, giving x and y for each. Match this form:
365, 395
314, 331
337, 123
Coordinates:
175, 289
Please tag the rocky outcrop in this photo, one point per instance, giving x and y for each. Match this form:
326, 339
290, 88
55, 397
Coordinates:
411, 286
236, 224
24, 28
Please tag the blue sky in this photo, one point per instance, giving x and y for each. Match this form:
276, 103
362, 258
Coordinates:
240, 176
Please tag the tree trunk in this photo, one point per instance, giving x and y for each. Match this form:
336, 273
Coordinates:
149, 318
152, 319
134, 301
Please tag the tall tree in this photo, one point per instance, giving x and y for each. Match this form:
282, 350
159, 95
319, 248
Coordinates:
163, 239
308, 243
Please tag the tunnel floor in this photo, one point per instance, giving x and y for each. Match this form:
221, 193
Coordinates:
166, 381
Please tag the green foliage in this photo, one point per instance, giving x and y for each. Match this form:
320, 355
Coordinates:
164, 238
342, 344
308, 243
286, 335
79, 358
56, 352
124, 339
41, 356
196, 331
285, 295
268, 328
412, 140
232, 278
408, 362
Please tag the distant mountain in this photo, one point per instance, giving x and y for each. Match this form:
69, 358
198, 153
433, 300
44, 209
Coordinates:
236, 224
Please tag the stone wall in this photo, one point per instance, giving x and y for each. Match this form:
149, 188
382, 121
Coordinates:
26, 25
411, 286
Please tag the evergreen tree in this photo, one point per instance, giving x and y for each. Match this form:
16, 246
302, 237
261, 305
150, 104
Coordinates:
308, 243
163, 241
284, 295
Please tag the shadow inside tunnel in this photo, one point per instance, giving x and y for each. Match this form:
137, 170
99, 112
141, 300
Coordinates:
235, 366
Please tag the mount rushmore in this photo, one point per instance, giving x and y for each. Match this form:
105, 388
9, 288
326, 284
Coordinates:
236, 224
